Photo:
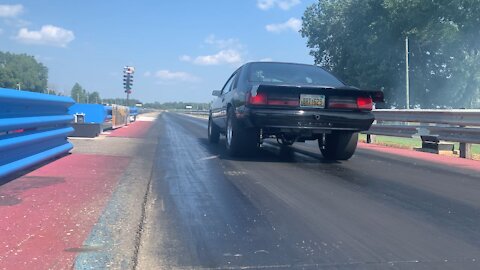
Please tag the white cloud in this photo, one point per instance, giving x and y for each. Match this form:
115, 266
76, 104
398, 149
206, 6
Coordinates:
286, 5
147, 74
230, 51
167, 75
47, 35
223, 43
267, 59
10, 11
228, 56
282, 4
265, 4
15, 23
185, 58
293, 24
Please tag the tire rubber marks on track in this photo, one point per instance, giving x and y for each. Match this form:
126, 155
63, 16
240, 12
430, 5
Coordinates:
209, 158
235, 173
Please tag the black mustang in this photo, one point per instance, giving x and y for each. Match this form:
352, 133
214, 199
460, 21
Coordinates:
293, 103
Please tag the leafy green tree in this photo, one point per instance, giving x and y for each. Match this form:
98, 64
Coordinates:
153, 105
79, 94
363, 42
94, 98
22, 71
121, 101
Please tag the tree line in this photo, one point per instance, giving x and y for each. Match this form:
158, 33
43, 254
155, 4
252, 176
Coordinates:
132, 102
363, 43
81, 95
22, 71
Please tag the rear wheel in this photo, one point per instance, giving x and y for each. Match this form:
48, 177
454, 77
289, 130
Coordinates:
240, 141
339, 146
213, 131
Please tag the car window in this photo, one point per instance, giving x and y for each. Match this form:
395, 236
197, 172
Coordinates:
235, 80
292, 74
228, 85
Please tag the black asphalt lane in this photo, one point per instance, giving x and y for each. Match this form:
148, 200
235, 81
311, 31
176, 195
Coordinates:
288, 208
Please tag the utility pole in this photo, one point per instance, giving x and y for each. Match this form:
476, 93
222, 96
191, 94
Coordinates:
407, 74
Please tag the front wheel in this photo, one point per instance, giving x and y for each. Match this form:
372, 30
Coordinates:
240, 140
338, 146
213, 131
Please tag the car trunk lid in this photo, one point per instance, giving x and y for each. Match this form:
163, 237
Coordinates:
313, 97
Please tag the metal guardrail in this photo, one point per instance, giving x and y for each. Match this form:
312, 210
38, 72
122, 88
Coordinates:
33, 128
461, 126
193, 112
448, 117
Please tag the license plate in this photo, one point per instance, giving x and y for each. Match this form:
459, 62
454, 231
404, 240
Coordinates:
312, 101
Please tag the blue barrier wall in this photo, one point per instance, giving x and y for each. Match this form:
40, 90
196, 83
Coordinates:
133, 111
33, 128
94, 113
108, 111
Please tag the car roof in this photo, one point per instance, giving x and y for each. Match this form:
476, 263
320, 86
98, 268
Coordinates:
275, 62
288, 63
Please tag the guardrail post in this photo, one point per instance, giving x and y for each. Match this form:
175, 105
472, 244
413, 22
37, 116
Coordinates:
370, 138
466, 150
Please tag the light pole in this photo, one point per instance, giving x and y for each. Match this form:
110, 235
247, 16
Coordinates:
407, 77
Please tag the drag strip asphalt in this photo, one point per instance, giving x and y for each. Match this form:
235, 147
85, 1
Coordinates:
287, 207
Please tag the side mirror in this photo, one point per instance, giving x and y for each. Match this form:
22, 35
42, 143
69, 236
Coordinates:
216, 93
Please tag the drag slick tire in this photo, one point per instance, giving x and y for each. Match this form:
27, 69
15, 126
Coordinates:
338, 145
240, 141
213, 131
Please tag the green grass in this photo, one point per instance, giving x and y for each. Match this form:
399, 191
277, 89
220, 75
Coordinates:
394, 141
410, 143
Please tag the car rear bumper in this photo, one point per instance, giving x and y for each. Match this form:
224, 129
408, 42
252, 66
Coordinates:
296, 120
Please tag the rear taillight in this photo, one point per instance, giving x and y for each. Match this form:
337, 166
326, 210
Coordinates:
259, 99
364, 103
342, 103
275, 100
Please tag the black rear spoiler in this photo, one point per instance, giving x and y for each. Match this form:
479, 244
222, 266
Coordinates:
376, 95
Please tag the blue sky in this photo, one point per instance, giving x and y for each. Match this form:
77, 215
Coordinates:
182, 50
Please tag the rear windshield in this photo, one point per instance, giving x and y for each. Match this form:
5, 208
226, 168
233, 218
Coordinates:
292, 74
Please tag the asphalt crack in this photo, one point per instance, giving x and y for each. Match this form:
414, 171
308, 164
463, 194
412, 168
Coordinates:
143, 217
